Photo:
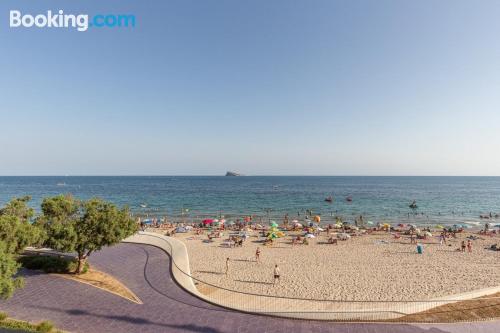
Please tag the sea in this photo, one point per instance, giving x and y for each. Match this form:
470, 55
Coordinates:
440, 200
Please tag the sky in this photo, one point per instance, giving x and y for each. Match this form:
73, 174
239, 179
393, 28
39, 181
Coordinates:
263, 87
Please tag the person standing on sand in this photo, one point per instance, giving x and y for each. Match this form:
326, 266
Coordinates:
227, 265
257, 254
463, 246
442, 238
469, 246
276, 274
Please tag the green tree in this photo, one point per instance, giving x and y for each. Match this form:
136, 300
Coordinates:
8, 268
18, 207
16, 229
83, 227
16, 233
102, 224
59, 217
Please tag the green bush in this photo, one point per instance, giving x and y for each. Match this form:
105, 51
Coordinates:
51, 264
3, 315
24, 326
44, 327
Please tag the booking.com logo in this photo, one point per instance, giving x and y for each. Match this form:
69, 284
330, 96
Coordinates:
81, 22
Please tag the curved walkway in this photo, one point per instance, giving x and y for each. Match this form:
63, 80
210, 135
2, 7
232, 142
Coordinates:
287, 307
167, 308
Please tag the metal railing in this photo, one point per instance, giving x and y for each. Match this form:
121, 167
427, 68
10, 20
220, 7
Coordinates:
428, 311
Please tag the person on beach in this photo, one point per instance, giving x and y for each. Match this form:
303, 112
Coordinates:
412, 237
469, 246
442, 238
227, 265
463, 246
257, 254
276, 274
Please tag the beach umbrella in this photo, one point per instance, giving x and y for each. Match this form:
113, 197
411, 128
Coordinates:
215, 220
370, 222
441, 227
297, 224
222, 221
295, 221
309, 236
207, 221
230, 223
317, 218
188, 227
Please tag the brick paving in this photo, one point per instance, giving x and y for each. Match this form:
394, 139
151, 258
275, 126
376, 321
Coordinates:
167, 308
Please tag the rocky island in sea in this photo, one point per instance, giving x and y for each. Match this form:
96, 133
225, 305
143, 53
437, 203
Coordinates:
232, 174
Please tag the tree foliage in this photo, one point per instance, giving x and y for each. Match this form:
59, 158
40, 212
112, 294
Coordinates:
16, 229
16, 233
65, 224
18, 207
59, 217
8, 269
83, 227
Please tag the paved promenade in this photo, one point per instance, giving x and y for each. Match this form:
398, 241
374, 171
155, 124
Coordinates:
167, 308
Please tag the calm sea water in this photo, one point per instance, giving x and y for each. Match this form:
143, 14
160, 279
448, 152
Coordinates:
444, 200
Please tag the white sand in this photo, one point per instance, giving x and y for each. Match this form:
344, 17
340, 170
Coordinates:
358, 269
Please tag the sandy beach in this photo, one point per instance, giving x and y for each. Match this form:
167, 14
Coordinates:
367, 267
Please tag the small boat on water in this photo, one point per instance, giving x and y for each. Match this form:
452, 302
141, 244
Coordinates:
348, 198
413, 205
329, 199
143, 205
61, 184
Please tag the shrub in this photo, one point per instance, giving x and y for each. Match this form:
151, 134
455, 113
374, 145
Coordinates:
44, 327
3, 315
50, 264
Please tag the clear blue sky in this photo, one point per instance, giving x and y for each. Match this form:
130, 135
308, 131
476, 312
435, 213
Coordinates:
261, 87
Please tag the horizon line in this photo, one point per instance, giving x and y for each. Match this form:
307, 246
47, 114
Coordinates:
241, 176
